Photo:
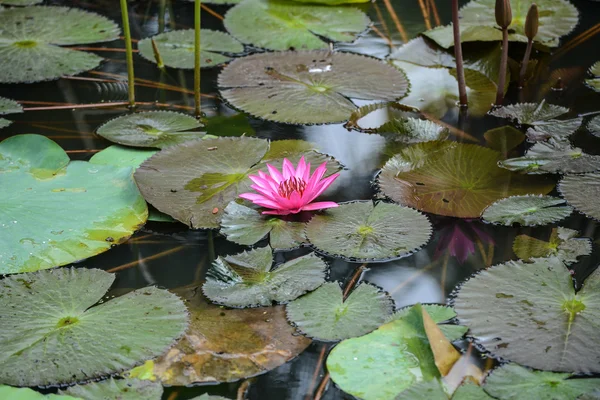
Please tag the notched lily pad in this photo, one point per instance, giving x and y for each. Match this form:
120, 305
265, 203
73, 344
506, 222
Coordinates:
73, 341
527, 210
582, 192
362, 231
325, 315
8, 106
308, 87
553, 157
563, 244
288, 26
531, 314
117, 389
37, 230
31, 37
176, 48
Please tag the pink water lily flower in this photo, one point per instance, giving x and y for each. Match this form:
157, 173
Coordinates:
292, 190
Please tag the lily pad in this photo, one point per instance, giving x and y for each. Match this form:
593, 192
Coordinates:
563, 244
64, 339
121, 389
325, 315
8, 106
362, 231
31, 36
13, 393
151, 129
594, 126
478, 23
246, 226
176, 48
529, 313
553, 157
20, 2
225, 345
460, 180
38, 231
513, 382
594, 83
527, 210
249, 279
387, 361
193, 182
412, 130
292, 26
433, 390
308, 87
582, 192
503, 139
121, 156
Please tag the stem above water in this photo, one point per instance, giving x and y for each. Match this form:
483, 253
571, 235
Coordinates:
525, 63
129, 53
503, 63
460, 71
197, 14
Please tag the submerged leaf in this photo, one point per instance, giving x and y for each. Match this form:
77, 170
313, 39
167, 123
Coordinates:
529, 313
582, 192
8, 106
279, 25
308, 87
121, 389
504, 138
249, 279
527, 210
325, 315
30, 38
176, 48
38, 230
73, 341
361, 231
563, 244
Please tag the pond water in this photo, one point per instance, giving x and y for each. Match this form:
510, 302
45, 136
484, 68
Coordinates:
172, 256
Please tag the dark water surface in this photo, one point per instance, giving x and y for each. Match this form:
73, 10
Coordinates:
171, 256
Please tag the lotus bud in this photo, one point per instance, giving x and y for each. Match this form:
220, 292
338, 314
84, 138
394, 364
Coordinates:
532, 22
503, 13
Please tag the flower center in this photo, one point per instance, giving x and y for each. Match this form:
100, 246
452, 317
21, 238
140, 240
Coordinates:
293, 184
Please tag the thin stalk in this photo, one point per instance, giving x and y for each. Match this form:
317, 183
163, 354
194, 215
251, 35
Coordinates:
197, 14
502, 73
129, 53
525, 63
157, 56
460, 70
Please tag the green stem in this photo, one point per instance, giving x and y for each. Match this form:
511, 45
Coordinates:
197, 10
503, 65
129, 53
525, 63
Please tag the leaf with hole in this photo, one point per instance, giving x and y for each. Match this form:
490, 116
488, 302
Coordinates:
121, 389
527, 210
563, 244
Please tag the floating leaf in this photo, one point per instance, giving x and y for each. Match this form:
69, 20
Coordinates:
361, 231
582, 192
594, 126
504, 138
513, 382
529, 313
121, 389
460, 180
412, 130
13, 393
527, 210
20, 2
38, 231
478, 23
8, 106
595, 82
553, 157
52, 336
30, 38
224, 345
325, 315
121, 156
151, 129
385, 362
433, 390
245, 225
563, 244
176, 48
249, 279
289, 26
308, 87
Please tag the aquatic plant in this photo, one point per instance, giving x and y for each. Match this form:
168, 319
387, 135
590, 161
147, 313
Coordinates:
532, 23
460, 72
503, 19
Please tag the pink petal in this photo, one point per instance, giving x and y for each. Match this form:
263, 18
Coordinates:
266, 182
275, 174
306, 176
321, 186
301, 170
288, 169
277, 212
266, 193
319, 205
316, 177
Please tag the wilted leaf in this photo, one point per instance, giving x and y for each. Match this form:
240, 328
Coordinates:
445, 355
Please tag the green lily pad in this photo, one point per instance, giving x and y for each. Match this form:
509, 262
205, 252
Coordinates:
582, 192
527, 210
433, 390
225, 345
53, 335
503, 139
308, 87
529, 313
176, 48
514, 382
121, 389
38, 231
151, 129
387, 361
412, 130
13, 393
595, 82
31, 36
553, 157
478, 23
247, 226
8, 106
293, 26
249, 278
122, 156
193, 182
458, 180
361, 231
325, 315
563, 244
